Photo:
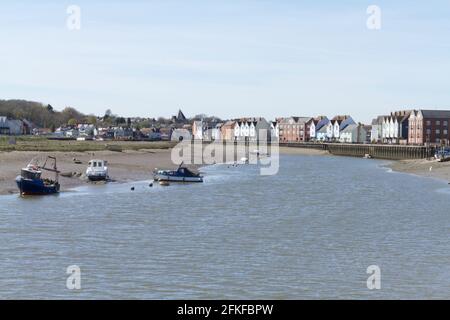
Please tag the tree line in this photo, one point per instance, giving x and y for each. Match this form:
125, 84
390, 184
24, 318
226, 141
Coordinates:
44, 116
39, 114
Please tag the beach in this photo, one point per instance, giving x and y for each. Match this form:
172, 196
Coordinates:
129, 165
304, 151
422, 167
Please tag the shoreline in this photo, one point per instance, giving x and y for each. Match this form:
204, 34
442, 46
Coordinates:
422, 168
123, 166
137, 165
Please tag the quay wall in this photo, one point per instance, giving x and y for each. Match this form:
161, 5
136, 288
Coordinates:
379, 151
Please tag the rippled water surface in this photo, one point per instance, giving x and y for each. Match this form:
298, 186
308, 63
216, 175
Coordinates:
309, 232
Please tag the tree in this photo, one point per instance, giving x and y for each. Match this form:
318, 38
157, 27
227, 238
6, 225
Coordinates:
72, 122
91, 119
119, 120
200, 117
70, 113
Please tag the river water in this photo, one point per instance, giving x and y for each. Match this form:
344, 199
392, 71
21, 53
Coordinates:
309, 232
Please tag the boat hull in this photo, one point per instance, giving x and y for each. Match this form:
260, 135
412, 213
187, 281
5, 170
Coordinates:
97, 177
171, 178
35, 187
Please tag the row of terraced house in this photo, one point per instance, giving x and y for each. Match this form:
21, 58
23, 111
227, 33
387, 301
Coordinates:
284, 130
341, 128
413, 127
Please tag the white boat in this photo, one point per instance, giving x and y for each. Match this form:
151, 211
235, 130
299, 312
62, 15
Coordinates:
182, 174
442, 155
97, 170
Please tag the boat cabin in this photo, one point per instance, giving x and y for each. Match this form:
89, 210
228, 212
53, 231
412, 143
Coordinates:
31, 174
97, 163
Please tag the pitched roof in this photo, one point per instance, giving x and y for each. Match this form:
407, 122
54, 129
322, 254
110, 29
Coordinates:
323, 129
296, 119
340, 118
435, 113
303, 119
349, 128
180, 116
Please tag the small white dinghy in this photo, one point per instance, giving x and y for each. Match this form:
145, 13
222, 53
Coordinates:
244, 160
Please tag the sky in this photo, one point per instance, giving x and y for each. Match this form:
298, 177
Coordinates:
228, 58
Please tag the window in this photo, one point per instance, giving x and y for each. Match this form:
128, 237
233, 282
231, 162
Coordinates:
445, 123
438, 131
428, 131
445, 131
438, 122
428, 123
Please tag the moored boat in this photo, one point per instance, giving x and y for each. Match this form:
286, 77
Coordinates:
30, 181
182, 174
97, 170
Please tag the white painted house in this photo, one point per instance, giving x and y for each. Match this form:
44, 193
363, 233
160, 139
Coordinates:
377, 130
197, 130
315, 125
330, 131
395, 127
274, 131
252, 129
216, 133
339, 123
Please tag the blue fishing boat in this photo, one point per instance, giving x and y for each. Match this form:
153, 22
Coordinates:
30, 181
182, 174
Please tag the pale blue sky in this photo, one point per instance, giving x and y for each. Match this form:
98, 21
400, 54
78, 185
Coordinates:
227, 58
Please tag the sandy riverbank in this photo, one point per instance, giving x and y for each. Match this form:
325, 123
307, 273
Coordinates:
123, 166
422, 167
129, 165
303, 151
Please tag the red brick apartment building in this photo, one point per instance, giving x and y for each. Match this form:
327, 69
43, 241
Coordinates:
293, 129
430, 126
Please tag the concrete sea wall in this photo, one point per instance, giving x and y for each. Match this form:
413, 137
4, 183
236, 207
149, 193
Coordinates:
392, 152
